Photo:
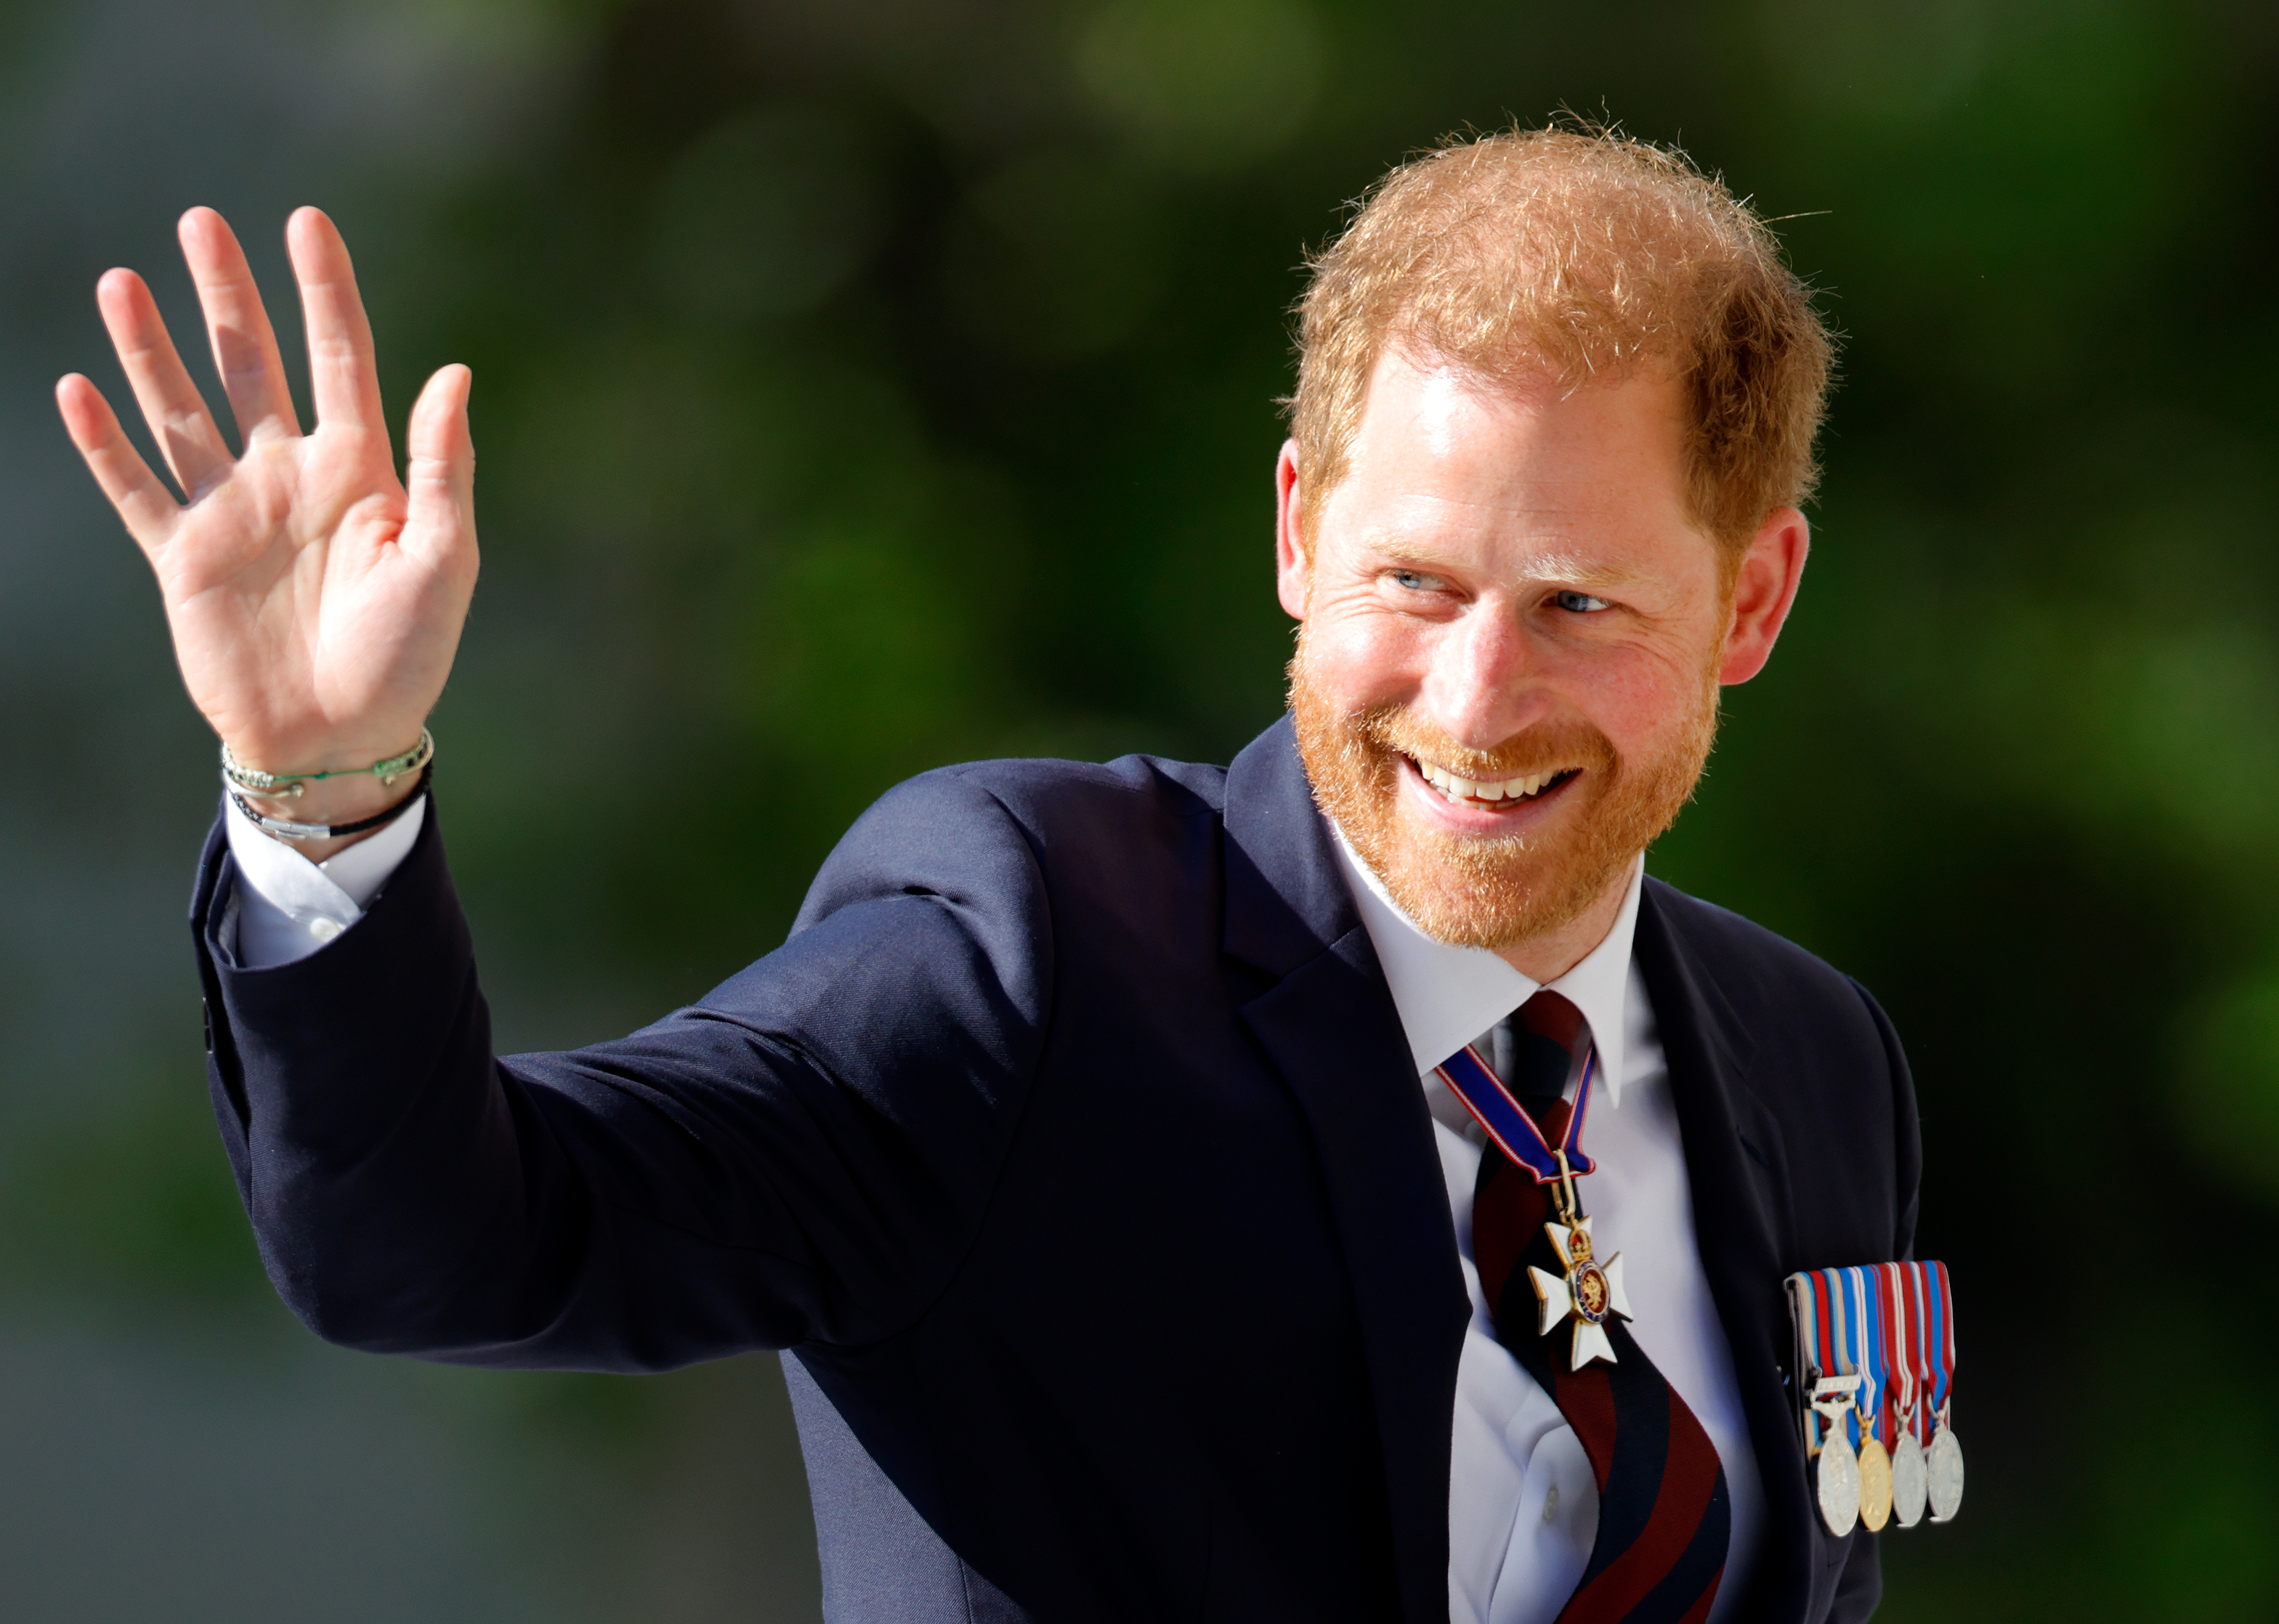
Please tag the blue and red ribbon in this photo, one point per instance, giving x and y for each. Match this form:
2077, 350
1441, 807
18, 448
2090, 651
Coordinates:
1473, 1081
1868, 1301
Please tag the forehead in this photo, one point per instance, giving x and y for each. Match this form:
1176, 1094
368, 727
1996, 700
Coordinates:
1443, 454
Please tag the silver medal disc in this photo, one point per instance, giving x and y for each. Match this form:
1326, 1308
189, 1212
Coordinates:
1835, 1478
1910, 1482
1944, 1470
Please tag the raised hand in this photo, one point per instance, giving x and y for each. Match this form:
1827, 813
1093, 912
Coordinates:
316, 599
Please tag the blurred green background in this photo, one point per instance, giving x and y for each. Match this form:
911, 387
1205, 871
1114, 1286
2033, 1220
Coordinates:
870, 384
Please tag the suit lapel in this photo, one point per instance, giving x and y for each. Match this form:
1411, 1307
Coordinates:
1329, 1026
1732, 1145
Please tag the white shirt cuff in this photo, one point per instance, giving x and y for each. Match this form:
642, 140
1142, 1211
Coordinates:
286, 906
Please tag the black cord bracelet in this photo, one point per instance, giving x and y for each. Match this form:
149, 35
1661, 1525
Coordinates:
285, 829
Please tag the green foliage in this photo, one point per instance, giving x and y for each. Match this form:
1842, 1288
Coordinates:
130, 1203
868, 386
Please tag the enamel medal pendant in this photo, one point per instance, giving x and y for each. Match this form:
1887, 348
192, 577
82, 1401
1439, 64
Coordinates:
1590, 1292
1586, 1290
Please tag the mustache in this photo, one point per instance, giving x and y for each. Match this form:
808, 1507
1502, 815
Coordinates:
1554, 745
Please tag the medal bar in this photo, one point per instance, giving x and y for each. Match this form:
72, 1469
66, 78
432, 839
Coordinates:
1873, 1376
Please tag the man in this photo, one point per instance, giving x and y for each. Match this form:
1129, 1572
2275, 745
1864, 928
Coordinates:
1184, 1192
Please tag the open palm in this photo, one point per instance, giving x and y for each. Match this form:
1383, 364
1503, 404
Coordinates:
316, 599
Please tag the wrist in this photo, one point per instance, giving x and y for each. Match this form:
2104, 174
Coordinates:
322, 810
255, 779
298, 828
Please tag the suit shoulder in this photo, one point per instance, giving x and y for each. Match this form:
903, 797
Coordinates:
1041, 792
1039, 795
993, 829
1755, 966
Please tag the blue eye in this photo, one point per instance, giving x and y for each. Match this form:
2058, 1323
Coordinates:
1581, 603
1413, 581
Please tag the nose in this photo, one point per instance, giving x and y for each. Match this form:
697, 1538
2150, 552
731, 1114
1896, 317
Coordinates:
1481, 687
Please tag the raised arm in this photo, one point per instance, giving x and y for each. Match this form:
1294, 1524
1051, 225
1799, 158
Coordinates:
801, 1157
315, 597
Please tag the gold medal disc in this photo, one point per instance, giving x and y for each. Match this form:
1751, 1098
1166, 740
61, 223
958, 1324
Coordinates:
1910, 1482
1836, 1479
1875, 1484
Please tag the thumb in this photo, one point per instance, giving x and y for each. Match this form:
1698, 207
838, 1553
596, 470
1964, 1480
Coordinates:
439, 482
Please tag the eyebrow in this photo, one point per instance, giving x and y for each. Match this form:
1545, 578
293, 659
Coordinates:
1566, 569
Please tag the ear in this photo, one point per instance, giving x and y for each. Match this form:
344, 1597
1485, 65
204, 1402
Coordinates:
1764, 590
1292, 566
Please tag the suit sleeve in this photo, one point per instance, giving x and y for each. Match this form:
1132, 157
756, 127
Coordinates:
801, 1157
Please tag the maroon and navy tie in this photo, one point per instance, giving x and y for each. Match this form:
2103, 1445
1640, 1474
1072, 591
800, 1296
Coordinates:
1663, 1515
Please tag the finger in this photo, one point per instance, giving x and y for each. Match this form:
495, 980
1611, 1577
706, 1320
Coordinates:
244, 346
343, 380
146, 507
440, 482
171, 405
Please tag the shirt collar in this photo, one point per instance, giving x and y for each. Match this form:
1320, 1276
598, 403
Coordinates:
1446, 996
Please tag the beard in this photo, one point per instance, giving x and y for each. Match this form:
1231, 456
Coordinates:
1495, 891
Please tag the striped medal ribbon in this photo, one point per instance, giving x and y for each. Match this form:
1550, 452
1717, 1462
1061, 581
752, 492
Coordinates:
1869, 1400
1910, 1486
1943, 1460
1836, 1465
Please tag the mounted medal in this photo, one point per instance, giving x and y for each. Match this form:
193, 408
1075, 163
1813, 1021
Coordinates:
1863, 1351
1875, 1484
1824, 1407
1835, 1470
1910, 1488
1943, 1473
1910, 1482
1943, 1461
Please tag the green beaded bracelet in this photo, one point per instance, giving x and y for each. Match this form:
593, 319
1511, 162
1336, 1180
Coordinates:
255, 781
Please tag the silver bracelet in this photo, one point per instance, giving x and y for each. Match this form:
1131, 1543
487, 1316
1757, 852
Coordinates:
255, 781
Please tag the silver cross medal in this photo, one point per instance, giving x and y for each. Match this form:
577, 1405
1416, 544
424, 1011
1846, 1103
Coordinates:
1592, 1291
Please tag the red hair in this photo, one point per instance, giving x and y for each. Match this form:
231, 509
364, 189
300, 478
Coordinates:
1575, 254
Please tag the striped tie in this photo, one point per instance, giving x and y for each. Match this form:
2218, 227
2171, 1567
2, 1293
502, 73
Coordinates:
1663, 1513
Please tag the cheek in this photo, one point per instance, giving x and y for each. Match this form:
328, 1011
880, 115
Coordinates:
1640, 698
1364, 657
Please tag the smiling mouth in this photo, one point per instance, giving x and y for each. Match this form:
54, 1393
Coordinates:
1499, 793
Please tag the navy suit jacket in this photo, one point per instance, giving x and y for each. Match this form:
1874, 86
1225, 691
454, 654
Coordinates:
1072, 1146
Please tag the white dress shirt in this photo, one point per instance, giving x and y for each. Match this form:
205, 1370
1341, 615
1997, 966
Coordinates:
288, 906
1523, 1504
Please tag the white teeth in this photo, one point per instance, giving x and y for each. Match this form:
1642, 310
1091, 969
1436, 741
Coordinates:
1462, 789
